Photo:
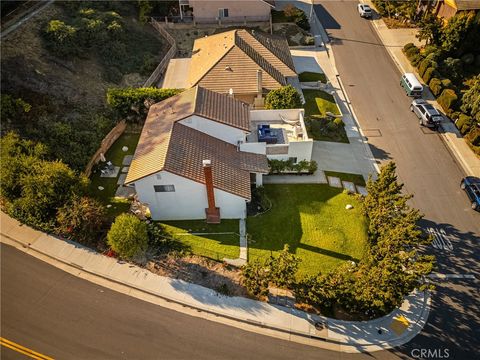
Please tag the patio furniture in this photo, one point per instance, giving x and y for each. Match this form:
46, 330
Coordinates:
110, 165
265, 134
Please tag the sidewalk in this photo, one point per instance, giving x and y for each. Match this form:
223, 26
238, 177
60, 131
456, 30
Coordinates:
394, 40
397, 328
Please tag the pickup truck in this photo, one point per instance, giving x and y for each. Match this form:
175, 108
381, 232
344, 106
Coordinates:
426, 113
364, 10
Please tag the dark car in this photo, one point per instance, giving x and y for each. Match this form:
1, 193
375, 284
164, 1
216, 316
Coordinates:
471, 185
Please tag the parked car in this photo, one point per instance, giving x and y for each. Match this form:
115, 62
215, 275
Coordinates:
364, 10
426, 113
411, 85
471, 185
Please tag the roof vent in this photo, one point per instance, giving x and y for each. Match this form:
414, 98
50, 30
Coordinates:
228, 68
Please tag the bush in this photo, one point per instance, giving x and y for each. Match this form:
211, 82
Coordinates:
435, 85
447, 84
286, 97
411, 52
424, 65
81, 220
61, 38
128, 236
255, 278
279, 166
447, 99
428, 74
296, 15
464, 123
416, 59
453, 67
408, 46
474, 136
128, 101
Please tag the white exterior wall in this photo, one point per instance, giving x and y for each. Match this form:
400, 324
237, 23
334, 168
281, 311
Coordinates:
256, 148
208, 9
302, 150
188, 201
220, 131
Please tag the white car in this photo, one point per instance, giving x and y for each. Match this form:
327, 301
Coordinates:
364, 10
427, 114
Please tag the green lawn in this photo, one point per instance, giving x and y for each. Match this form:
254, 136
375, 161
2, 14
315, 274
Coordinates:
357, 179
313, 220
210, 242
115, 154
318, 103
308, 76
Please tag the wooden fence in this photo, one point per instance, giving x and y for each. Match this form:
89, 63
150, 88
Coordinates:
170, 54
107, 141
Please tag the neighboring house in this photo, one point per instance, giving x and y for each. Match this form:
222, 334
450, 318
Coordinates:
244, 63
447, 8
188, 164
207, 11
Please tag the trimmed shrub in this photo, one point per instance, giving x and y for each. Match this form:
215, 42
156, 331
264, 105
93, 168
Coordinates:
424, 65
279, 166
61, 38
447, 99
468, 59
447, 83
412, 52
408, 46
474, 136
128, 235
416, 60
428, 74
464, 123
286, 97
435, 86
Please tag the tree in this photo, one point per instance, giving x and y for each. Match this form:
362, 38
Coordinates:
256, 278
456, 30
283, 268
81, 219
286, 97
430, 29
128, 235
471, 99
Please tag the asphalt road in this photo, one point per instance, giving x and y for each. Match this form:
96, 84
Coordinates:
427, 168
59, 315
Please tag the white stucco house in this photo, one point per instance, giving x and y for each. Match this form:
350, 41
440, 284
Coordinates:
200, 152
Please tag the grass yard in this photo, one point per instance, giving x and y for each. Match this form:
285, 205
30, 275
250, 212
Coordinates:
308, 76
115, 154
324, 129
318, 103
313, 220
357, 179
210, 242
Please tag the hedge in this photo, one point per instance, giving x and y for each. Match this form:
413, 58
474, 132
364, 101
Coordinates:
416, 60
412, 52
408, 46
447, 83
464, 123
424, 65
474, 136
447, 99
129, 101
428, 74
435, 85
281, 166
286, 97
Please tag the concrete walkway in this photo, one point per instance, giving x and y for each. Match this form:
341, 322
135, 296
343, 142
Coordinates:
396, 328
394, 40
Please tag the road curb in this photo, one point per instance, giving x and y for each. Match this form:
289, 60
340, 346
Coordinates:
245, 324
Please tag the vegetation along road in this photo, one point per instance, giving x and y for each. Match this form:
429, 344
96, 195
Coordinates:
425, 166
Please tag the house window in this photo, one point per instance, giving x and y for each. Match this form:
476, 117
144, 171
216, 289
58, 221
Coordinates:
222, 13
164, 188
293, 159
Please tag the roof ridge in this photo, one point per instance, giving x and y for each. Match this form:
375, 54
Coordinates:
260, 60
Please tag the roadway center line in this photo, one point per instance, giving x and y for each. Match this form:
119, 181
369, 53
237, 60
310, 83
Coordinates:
23, 350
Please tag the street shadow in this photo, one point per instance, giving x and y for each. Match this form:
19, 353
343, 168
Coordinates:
327, 20
378, 154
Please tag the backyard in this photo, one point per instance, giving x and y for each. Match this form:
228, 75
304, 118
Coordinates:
109, 184
319, 125
313, 221
214, 241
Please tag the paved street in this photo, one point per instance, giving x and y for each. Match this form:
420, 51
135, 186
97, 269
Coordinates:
56, 314
424, 165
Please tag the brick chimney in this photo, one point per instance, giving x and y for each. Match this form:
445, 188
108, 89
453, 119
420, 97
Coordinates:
212, 212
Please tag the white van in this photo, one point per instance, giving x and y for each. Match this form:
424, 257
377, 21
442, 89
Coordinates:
411, 85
